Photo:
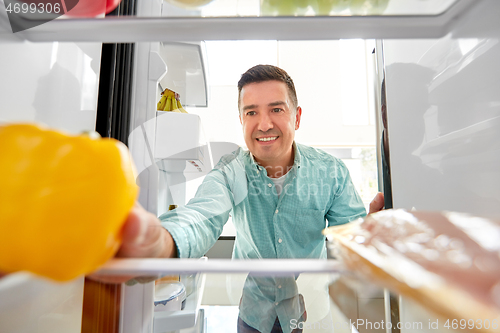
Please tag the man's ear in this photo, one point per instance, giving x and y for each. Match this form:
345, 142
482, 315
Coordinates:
298, 114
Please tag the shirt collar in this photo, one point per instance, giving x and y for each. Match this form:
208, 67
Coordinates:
256, 166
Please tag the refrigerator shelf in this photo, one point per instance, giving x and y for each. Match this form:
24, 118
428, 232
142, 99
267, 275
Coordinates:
264, 267
142, 29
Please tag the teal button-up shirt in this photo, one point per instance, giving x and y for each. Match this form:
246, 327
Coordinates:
317, 192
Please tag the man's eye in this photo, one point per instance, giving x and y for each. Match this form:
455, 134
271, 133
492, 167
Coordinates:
250, 113
276, 110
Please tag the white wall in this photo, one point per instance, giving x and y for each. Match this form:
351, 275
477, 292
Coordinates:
330, 78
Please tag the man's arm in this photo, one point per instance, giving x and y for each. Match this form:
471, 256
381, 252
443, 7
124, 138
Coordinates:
195, 227
347, 204
144, 237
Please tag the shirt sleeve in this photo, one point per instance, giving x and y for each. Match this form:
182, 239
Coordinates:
345, 204
196, 226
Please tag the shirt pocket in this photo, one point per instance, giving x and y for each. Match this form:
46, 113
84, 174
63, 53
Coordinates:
308, 225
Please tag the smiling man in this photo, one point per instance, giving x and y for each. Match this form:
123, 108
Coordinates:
280, 194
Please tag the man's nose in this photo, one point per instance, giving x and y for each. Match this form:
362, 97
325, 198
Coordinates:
265, 122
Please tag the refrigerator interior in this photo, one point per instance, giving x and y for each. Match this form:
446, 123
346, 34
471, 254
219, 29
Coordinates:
442, 81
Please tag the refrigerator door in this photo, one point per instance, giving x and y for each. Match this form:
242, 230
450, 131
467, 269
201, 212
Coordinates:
443, 115
50, 74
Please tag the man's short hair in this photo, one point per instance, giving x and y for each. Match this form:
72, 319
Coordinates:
262, 73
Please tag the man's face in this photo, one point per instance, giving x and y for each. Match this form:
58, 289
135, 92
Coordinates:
269, 121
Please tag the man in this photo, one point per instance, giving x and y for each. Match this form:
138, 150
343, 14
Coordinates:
280, 193
269, 115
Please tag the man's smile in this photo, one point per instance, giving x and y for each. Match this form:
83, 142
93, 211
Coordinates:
267, 139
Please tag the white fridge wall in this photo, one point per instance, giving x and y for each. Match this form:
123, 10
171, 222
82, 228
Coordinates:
443, 106
55, 84
31, 304
51, 83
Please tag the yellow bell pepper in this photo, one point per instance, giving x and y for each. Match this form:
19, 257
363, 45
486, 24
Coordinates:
63, 200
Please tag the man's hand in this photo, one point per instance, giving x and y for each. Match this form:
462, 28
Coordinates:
377, 203
144, 237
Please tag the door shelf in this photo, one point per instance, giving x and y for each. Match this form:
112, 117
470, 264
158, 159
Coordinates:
167, 321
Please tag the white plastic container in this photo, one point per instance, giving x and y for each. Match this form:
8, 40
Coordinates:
170, 296
180, 143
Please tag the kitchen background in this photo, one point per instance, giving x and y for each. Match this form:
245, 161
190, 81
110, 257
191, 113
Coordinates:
334, 84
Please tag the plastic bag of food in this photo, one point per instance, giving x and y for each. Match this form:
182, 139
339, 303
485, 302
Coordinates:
448, 262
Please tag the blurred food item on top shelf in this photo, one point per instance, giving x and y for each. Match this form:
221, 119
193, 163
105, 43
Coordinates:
90, 8
322, 7
448, 262
189, 4
170, 101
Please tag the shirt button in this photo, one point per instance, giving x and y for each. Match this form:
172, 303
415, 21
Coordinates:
270, 185
280, 240
276, 303
279, 287
276, 211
